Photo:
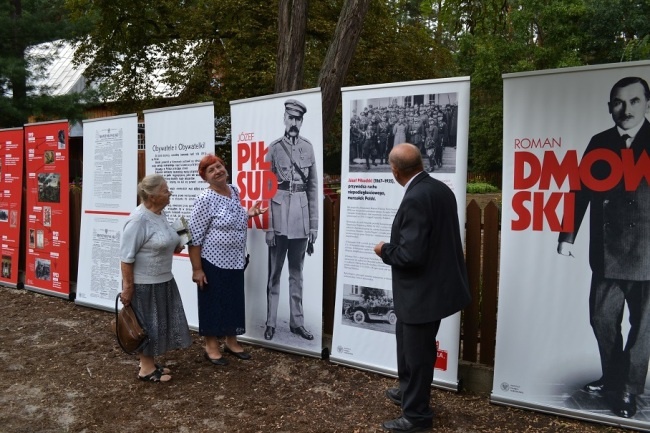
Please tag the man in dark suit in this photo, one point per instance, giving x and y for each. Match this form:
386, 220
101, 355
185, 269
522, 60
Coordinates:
619, 247
425, 253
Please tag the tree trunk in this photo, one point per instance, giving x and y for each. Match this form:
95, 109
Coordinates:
292, 25
339, 56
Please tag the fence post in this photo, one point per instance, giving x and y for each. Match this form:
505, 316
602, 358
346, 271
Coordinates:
473, 260
490, 283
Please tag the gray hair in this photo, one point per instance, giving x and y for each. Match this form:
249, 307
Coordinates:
149, 185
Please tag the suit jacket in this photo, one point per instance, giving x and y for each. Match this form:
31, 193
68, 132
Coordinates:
425, 253
619, 242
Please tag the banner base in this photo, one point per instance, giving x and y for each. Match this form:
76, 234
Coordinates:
48, 292
612, 420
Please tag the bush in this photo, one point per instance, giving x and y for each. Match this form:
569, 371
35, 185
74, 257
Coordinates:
480, 188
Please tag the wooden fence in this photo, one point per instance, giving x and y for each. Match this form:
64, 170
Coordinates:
479, 321
478, 331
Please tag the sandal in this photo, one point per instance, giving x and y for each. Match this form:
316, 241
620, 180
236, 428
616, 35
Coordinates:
154, 376
163, 370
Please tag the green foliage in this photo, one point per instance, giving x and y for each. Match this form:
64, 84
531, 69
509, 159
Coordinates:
481, 188
224, 50
24, 23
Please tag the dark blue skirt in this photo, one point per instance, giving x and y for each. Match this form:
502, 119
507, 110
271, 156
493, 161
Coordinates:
222, 309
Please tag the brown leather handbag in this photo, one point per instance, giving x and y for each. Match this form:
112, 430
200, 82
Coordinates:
130, 335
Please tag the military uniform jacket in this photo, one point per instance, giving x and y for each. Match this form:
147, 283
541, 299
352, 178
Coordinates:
294, 213
619, 244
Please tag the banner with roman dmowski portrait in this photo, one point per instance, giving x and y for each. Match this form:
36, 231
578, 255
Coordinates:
573, 333
434, 116
277, 154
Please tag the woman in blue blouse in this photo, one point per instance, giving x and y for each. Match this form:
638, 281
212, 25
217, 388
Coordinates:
218, 225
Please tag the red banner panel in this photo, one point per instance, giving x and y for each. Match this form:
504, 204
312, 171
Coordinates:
47, 261
11, 194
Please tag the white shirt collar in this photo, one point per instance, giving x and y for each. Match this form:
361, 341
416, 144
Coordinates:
411, 180
631, 132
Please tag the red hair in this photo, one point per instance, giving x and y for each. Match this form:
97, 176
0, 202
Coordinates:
206, 162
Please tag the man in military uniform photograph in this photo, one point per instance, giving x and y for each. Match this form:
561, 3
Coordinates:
293, 217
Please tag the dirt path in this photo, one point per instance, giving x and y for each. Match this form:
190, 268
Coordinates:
61, 371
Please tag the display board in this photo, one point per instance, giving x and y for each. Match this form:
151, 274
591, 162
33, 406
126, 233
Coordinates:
11, 194
277, 148
575, 242
109, 195
374, 119
47, 256
176, 140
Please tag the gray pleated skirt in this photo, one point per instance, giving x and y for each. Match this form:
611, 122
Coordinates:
160, 310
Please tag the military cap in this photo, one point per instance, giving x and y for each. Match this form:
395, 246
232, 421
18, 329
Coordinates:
294, 108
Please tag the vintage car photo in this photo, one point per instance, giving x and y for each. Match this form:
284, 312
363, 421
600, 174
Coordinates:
374, 309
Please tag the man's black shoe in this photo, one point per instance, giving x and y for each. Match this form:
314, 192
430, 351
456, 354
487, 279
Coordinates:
300, 330
394, 395
402, 425
268, 333
624, 404
594, 387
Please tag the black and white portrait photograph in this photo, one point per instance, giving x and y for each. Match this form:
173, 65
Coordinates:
4, 215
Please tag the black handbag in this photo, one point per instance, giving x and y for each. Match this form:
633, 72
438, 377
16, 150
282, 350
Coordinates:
130, 335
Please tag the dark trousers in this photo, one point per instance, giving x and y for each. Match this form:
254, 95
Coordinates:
294, 250
624, 368
416, 357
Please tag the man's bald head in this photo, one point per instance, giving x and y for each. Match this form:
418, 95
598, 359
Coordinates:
406, 161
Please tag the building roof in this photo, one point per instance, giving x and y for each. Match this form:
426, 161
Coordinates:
53, 69
54, 72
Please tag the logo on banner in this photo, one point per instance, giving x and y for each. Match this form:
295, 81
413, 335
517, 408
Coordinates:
441, 358
345, 350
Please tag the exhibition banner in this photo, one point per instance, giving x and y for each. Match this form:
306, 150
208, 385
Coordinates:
11, 195
47, 259
575, 242
277, 148
433, 115
176, 140
109, 195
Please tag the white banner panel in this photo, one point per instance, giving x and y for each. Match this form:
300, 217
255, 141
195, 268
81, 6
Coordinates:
176, 140
257, 124
546, 351
364, 322
108, 196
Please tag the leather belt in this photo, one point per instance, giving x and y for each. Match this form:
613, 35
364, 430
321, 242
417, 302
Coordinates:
296, 187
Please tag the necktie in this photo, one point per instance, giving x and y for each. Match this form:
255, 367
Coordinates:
627, 140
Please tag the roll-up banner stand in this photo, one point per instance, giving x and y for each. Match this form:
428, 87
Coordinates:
176, 139
277, 148
47, 256
11, 194
109, 195
575, 244
388, 114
